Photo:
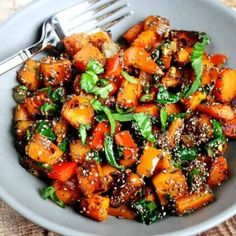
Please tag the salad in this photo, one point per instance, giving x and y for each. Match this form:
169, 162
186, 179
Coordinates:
137, 130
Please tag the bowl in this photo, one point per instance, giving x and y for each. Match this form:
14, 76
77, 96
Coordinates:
21, 190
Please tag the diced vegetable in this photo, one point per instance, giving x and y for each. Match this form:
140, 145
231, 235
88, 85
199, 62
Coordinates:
157, 24
133, 32
194, 100
122, 212
145, 39
113, 67
149, 109
218, 59
172, 78
229, 128
97, 39
78, 151
174, 132
22, 126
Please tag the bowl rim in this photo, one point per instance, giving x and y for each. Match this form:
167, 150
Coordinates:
39, 220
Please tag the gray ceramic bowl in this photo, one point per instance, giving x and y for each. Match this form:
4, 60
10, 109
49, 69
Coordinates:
20, 189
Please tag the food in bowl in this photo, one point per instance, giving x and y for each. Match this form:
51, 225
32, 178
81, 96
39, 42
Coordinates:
136, 131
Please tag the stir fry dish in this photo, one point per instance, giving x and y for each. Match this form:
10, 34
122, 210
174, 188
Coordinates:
137, 130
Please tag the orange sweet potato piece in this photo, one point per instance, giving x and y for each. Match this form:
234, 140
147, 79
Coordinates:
22, 126
183, 56
90, 178
78, 110
189, 203
173, 108
172, 78
28, 74
219, 172
141, 59
145, 40
67, 191
21, 113
149, 161
78, 151
164, 163
107, 173
122, 212
205, 125
60, 128
95, 207
86, 54
156, 23
229, 128
43, 150
218, 59
55, 72
75, 42
133, 32
171, 183
194, 100
209, 76
174, 131
149, 109
217, 111
97, 39
225, 87
128, 94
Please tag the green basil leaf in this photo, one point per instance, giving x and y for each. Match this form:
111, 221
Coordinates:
193, 173
164, 97
217, 128
47, 90
129, 78
49, 109
123, 117
83, 132
88, 81
145, 126
110, 158
213, 146
187, 154
45, 130
95, 67
163, 117
97, 106
121, 111
63, 145
145, 98
147, 211
50, 193
197, 64
103, 92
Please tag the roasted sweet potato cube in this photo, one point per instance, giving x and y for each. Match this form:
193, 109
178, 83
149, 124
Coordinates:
75, 42
205, 125
78, 110
183, 55
141, 59
28, 74
145, 40
67, 191
172, 183
219, 172
148, 161
172, 78
128, 94
184, 37
173, 108
209, 75
78, 151
22, 126
164, 163
157, 24
225, 87
85, 55
60, 128
133, 32
229, 129
90, 178
174, 131
42, 150
97, 39
107, 173
149, 109
189, 203
217, 110
55, 72
95, 207
127, 190
21, 113
122, 212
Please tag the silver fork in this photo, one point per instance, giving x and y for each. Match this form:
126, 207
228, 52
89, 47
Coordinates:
86, 16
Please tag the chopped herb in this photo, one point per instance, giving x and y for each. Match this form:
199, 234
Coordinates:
95, 67
48, 90
83, 132
145, 126
43, 165
197, 64
88, 81
147, 211
49, 109
94, 155
103, 92
45, 130
123, 117
193, 173
187, 155
58, 95
146, 98
217, 128
164, 97
163, 117
63, 145
121, 111
29, 134
108, 147
50, 193
129, 78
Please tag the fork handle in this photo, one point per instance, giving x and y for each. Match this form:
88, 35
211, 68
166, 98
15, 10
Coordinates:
20, 57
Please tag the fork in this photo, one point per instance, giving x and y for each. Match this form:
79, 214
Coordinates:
86, 16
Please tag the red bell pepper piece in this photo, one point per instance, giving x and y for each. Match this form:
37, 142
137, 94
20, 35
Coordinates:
125, 139
98, 136
113, 67
63, 171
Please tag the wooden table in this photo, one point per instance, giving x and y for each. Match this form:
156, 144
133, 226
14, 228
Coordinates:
13, 224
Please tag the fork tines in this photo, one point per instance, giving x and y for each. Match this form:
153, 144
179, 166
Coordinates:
92, 15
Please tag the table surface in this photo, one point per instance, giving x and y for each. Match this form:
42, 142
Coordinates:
11, 223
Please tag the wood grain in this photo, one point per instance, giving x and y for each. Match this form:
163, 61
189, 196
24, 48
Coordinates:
13, 224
